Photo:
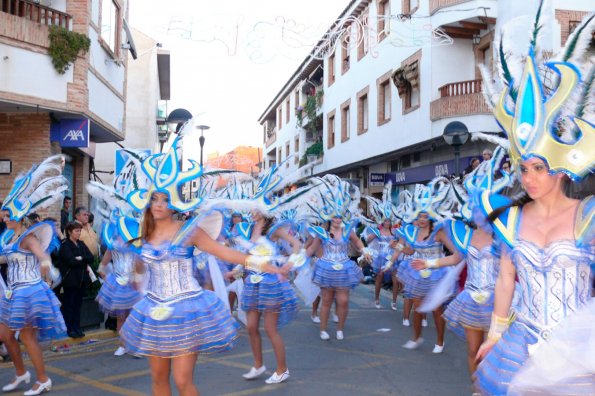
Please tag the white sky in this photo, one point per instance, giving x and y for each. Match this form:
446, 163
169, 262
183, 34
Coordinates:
231, 85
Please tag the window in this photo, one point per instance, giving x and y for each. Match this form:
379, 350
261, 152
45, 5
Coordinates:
362, 111
279, 156
410, 6
287, 154
280, 118
297, 101
383, 11
331, 69
362, 37
383, 112
287, 111
330, 143
345, 49
110, 26
345, 121
411, 100
296, 150
407, 80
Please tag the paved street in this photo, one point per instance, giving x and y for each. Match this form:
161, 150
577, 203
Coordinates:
367, 362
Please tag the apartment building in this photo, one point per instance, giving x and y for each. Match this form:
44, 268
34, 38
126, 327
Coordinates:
45, 112
395, 73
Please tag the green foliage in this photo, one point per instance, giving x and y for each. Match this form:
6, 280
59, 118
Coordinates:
313, 103
315, 149
65, 46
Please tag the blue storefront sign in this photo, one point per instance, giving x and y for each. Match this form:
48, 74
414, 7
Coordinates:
71, 132
426, 172
377, 179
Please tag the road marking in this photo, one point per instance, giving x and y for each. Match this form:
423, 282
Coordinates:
262, 389
131, 374
92, 382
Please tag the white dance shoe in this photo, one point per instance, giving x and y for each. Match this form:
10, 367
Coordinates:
340, 335
438, 348
121, 351
413, 344
277, 379
424, 323
335, 318
393, 306
324, 336
315, 319
406, 322
42, 388
255, 372
26, 378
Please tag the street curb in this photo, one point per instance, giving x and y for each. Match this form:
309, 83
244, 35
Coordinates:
101, 334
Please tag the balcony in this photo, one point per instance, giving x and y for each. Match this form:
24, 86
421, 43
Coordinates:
271, 137
459, 99
36, 13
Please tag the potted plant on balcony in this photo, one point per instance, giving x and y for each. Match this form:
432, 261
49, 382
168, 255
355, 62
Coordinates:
314, 152
65, 46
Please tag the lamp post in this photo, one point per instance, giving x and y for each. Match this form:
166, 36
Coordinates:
201, 139
456, 134
177, 117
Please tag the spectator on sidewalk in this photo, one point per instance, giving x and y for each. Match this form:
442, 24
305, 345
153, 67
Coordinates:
65, 213
88, 235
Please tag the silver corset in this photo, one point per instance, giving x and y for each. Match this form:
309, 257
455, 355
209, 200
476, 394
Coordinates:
123, 263
427, 250
382, 245
554, 281
482, 270
170, 273
22, 268
335, 251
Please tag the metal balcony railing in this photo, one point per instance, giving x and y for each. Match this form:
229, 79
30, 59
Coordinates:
36, 12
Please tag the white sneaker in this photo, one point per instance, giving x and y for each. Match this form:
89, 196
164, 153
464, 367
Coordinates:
26, 378
324, 336
377, 304
424, 323
413, 344
438, 348
277, 379
121, 351
43, 387
340, 335
393, 306
335, 318
255, 372
406, 322
315, 319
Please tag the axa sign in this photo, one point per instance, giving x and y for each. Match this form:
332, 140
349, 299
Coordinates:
72, 132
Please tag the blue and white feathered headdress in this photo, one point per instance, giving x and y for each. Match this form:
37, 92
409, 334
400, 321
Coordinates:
38, 188
335, 198
381, 210
431, 199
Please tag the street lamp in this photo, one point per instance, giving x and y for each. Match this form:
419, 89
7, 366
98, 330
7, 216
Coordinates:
201, 139
177, 117
456, 134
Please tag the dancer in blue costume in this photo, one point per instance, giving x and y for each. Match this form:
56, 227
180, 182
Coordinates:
117, 295
334, 272
28, 303
543, 234
176, 319
426, 242
469, 314
268, 295
381, 239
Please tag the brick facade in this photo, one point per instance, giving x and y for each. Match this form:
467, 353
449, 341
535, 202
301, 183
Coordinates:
568, 20
461, 105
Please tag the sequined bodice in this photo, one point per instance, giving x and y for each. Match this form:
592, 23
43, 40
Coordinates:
335, 250
123, 263
427, 250
23, 267
482, 270
170, 271
554, 281
262, 247
381, 245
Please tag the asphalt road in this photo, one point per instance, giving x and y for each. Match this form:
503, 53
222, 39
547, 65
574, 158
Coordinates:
366, 362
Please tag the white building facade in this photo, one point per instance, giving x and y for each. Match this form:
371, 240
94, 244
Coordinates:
398, 73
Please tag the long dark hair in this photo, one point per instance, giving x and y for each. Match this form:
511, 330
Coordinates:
520, 201
268, 223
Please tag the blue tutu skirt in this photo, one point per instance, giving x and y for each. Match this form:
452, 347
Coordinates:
464, 312
116, 299
496, 371
33, 305
196, 323
268, 293
417, 284
345, 275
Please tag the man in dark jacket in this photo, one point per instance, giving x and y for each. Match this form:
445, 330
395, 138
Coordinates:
75, 256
